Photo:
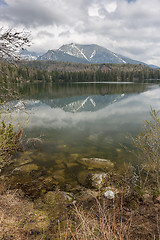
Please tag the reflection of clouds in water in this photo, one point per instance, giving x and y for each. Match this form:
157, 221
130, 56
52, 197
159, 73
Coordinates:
152, 94
132, 109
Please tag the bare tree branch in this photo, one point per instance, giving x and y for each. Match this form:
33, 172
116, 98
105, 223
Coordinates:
11, 42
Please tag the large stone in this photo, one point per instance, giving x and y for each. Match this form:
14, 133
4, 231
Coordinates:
52, 197
71, 164
27, 168
91, 179
97, 163
97, 179
87, 195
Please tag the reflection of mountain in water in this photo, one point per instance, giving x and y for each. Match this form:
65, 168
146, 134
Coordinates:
73, 104
89, 112
84, 103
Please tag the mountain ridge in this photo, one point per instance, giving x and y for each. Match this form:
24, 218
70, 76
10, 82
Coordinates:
85, 53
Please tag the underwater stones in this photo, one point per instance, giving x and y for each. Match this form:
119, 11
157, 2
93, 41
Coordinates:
93, 137
59, 176
59, 165
61, 146
108, 140
97, 163
118, 150
48, 180
71, 164
74, 156
27, 168
84, 178
24, 157
60, 172
39, 156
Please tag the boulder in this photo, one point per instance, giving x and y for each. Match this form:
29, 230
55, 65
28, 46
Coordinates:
53, 197
98, 163
97, 179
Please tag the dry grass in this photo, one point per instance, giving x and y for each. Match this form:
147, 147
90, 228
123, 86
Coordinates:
18, 218
98, 223
121, 219
12, 214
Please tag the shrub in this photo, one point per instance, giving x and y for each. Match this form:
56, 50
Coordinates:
9, 142
148, 146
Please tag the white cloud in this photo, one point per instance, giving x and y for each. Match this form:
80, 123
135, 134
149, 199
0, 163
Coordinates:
111, 6
130, 28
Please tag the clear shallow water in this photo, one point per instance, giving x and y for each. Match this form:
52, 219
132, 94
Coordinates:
78, 121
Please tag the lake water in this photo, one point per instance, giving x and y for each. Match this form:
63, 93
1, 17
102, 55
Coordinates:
77, 123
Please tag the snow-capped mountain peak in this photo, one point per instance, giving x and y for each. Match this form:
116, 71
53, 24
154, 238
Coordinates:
82, 53
73, 50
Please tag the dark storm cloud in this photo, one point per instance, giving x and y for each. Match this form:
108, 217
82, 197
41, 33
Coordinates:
32, 14
45, 34
43, 13
2, 3
65, 33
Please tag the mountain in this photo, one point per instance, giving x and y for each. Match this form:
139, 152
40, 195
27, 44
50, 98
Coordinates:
27, 55
58, 55
153, 66
85, 54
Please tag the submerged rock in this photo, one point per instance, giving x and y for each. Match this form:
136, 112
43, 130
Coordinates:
74, 156
27, 168
97, 163
71, 164
84, 178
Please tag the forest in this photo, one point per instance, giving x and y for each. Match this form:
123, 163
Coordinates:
52, 71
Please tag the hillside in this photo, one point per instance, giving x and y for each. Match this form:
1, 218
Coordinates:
80, 53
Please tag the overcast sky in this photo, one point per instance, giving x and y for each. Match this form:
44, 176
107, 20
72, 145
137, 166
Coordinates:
128, 27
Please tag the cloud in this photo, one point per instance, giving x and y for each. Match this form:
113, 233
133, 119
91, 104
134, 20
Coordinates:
128, 27
65, 34
2, 3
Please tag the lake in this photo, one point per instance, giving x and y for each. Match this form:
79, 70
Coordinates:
74, 125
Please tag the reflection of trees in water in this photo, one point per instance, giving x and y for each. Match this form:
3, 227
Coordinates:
49, 90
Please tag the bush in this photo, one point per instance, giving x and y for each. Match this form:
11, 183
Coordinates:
148, 146
9, 142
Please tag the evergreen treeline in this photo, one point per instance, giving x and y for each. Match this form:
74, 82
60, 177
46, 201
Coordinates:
69, 72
